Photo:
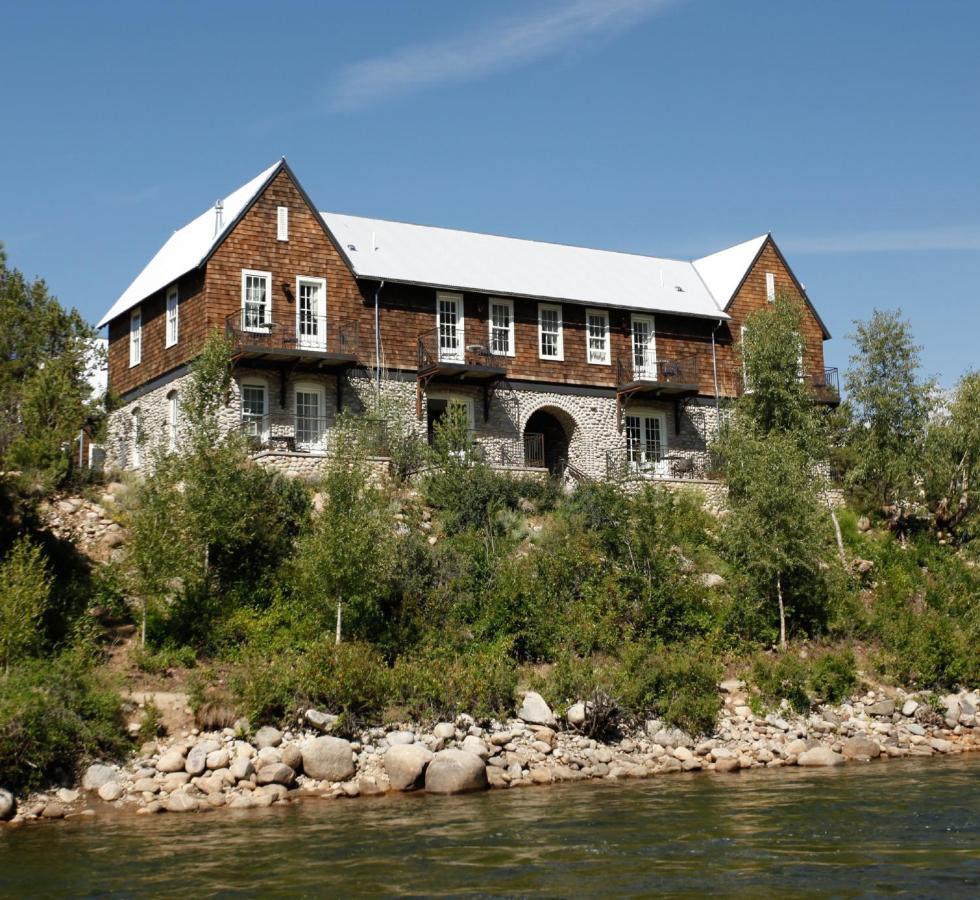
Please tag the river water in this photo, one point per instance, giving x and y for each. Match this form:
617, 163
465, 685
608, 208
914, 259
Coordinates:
908, 827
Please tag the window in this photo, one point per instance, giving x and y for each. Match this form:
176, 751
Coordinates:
254, 422
770, 287
438, 404
644, 340
501, 326
256, 300
449, 325
549, 332
173, 411
311, 313
135, 435
282, 223
310, 421
173, 313
646, 443
597, 336
135, 336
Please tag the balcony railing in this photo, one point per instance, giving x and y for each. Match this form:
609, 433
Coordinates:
447, 347
645, 368
253, 330
514, 453
825, 385
629, 463
296, 432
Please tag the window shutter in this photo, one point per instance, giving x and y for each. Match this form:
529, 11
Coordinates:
282, 223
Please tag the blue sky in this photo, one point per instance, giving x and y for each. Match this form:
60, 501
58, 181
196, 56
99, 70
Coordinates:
851, 130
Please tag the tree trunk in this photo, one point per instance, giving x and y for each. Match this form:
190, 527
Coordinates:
782, 614
339, 612
840, 539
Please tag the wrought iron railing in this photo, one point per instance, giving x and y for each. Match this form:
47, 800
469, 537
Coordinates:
525, 452
622, 463
825, 385
301, 433
255, 329
644, 367
448, 346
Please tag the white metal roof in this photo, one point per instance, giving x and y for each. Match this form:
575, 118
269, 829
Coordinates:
187, 248
723, 271
465, 260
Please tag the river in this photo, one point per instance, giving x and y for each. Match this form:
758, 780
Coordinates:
909, 827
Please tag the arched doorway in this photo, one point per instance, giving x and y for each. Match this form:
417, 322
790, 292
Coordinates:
551, 449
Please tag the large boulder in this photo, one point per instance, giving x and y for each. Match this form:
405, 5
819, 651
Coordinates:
321, 721
171, 761
405, 765
860, 747
275, 773
292, 756
328, 759
197, 760
882, 708
97, 775
575, 715
454, 772
475, 746
819, 756
111, 791
8, 805
267, 736
535, 711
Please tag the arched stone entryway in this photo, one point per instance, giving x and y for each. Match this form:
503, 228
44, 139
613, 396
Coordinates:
555, 428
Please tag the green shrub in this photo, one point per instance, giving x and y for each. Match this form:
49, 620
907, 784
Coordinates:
783, 676
25, 585
159, 661
54, 714
833, 675
678, 683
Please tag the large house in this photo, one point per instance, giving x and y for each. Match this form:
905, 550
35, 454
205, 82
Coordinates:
564, 357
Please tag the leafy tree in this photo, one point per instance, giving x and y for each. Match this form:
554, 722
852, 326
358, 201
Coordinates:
345, 560
891, 406
952, 460
25, 585
45, 352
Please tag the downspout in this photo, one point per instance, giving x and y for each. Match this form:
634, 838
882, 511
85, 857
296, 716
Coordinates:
714, 370
377, 337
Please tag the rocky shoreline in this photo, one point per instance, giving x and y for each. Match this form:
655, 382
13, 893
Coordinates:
227, 769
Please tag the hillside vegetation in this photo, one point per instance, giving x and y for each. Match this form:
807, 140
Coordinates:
447, 587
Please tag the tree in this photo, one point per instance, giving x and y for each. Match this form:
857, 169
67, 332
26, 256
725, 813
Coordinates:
770, 450
45, 353
952, 459
343, 564
891, 406
25, 585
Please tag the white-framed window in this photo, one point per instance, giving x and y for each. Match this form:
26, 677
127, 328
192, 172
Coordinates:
644, 340
135, 336
311, 425
501, 326
450, 326
771, 287
173, 419
255, 407
311, 312
550, 341
256, 300
136, 436
646, 442
597, 336
173, 315
282, 223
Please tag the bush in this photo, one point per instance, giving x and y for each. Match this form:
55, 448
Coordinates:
833, 675
24, 589
54, 714
159, 661
678, 683
782, 677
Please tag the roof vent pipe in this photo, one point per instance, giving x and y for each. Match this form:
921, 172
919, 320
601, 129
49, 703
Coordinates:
218, 222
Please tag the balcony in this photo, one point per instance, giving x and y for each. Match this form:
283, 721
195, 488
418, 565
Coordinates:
637, 463
297, 433
257, 336
825, 386
643, 375
443, 353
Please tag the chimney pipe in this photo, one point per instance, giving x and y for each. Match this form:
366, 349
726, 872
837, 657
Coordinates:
218, 222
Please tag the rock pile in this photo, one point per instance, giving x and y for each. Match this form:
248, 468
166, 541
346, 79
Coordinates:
223, 769
87, 524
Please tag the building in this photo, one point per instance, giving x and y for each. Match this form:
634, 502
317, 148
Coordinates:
565, 357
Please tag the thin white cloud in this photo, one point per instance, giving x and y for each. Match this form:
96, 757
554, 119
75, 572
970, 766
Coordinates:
954, 238
492, 47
